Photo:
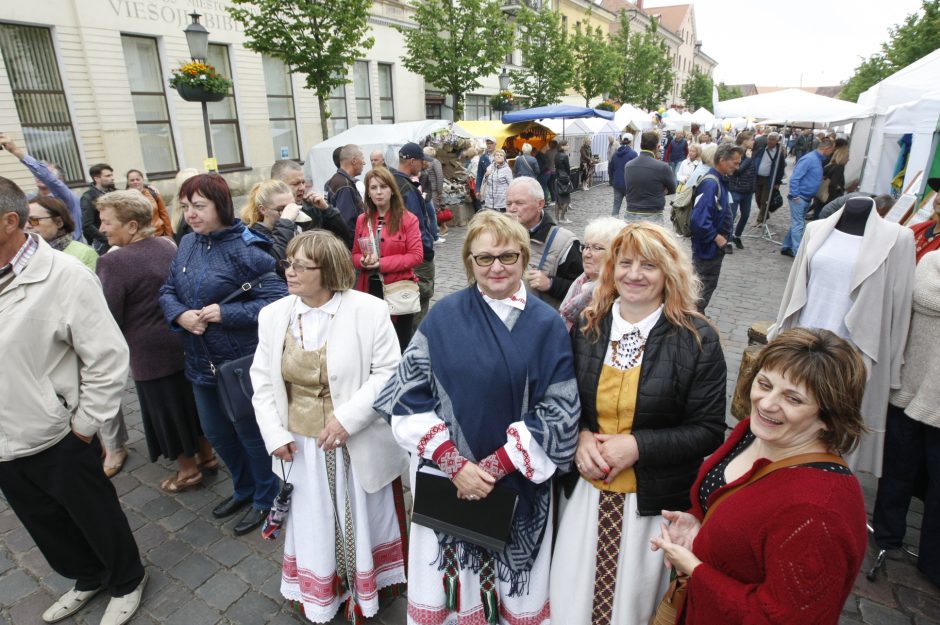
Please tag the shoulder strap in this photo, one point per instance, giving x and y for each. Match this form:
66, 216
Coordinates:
246, 287
767, 469
525, 162
548, 245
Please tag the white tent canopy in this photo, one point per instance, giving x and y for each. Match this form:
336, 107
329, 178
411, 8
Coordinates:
790, 104
910, 83
369, 137
704, 118
873, 151
629, 114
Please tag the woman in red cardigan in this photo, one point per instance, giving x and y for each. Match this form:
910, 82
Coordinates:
387, 245
784, 548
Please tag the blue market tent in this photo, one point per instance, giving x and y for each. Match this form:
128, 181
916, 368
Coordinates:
555, 111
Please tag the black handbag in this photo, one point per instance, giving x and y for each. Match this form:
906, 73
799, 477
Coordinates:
232, 377
776, 200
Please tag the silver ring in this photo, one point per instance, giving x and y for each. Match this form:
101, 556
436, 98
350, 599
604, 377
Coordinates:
337, 443
472, 497
580, 466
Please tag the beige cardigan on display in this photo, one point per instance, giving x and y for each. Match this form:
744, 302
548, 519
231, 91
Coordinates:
919, 394
362, 354
878, 320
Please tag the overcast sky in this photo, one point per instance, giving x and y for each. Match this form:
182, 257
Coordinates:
818, 40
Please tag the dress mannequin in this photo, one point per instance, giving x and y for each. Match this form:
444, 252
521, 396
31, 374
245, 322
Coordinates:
865, 298
854, 215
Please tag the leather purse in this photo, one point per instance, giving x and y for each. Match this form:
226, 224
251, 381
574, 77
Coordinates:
402, 297
232, 378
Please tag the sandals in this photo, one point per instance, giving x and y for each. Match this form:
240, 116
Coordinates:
177, 484
211, 465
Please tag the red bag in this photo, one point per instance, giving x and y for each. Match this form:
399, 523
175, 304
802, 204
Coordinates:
444, 215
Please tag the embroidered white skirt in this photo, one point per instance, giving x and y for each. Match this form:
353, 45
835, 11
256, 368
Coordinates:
309, 565
641, 577
426, 602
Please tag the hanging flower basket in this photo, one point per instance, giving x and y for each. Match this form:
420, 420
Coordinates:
198, 94
503, 101
198, 82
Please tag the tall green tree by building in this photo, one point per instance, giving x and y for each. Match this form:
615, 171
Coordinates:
728, 93
316, 38
645, 70
547, 57
595, 62
455, 43
697, 90
914, 38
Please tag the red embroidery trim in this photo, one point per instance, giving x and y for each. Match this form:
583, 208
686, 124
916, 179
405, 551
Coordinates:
434, 431
526, 460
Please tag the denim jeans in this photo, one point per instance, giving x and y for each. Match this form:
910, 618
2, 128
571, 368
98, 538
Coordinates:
241, 448
798, 207
655, 218
742, 200
618, 200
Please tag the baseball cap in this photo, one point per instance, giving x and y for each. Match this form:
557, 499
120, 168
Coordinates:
490, 140
412, 150
625, 138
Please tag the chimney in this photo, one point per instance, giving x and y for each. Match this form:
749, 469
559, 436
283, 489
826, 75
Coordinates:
639, 4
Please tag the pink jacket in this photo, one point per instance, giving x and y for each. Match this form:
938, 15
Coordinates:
399, 253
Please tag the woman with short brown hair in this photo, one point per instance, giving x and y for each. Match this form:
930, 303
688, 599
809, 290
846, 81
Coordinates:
131, 276
785, 545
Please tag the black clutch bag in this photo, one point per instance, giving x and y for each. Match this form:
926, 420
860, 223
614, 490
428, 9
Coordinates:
487, 522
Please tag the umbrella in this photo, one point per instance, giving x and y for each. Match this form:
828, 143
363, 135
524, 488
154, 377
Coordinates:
555, 111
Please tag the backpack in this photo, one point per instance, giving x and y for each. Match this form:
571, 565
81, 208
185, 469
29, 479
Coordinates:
682, 207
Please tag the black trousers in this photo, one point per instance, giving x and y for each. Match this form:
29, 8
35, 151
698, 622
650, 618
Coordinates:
911, 467
71, 510
708, 272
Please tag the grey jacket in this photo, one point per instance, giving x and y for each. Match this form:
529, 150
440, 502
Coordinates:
648, 182
66, 370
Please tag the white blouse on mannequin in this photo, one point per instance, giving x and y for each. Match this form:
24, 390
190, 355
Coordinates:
828, 298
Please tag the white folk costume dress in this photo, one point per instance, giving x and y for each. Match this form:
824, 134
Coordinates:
344, 538
877, 322
603, 571
491, 382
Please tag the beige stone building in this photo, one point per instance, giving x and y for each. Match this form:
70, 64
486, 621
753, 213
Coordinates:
85, 81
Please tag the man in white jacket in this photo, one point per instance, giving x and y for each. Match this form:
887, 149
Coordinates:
66, 365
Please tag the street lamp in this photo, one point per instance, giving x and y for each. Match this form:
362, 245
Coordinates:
504, 80
197, 38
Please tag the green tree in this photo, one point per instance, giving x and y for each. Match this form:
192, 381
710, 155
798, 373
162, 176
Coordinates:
645, 72
455, 43
697, 90
728, 93
316, 38
547, 58
870, 71
595, 63
914, 38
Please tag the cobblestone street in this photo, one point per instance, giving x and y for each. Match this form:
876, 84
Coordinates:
200, 574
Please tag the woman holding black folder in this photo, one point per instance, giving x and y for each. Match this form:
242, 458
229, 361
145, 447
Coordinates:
485, 395
651, 376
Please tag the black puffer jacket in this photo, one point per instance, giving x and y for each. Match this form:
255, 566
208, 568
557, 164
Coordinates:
680, 407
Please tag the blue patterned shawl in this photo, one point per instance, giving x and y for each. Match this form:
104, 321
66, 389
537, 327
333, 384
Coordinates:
479, 376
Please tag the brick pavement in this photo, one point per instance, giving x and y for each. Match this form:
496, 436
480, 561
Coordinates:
202, 575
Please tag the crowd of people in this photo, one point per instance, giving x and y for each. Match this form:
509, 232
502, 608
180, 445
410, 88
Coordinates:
572, 395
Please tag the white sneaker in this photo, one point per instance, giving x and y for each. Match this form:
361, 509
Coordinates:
121, 609
68, 604
439, 240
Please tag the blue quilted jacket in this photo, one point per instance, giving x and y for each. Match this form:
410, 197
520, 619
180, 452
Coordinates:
206, 270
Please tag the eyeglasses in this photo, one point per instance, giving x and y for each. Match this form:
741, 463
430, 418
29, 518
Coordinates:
297, 266
506, 258
34, 221
597, 249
